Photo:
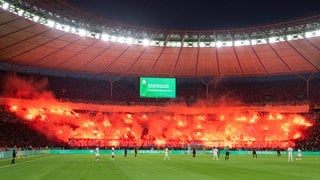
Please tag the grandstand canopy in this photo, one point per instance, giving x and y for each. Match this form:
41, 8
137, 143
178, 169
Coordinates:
53, 35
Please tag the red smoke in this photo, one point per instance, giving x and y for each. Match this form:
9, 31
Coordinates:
150, 126
26, 88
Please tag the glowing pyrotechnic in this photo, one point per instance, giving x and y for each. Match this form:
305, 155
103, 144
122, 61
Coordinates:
161, 128
172, 125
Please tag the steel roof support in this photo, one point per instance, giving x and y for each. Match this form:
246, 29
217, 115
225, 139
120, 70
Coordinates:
198, 52
57, 50
135, 61
211, 80
111, 81
307, 60
33, 47
87, 47
217, 56
155, 62
176, 63
235, 53
95, 57
115, 59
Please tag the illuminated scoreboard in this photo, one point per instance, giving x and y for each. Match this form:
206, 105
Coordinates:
151, 87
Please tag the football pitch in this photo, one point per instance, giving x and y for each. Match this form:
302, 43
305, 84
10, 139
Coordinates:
153, 167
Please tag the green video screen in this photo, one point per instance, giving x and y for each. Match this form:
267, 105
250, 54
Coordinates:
151, 87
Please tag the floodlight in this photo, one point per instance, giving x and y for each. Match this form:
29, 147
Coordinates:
309, 34
82, 32
237, 43
154, 43
5, 5
158, 43
246, 42
105, 37
262, 41
146, 42
228, 43
113, 38
161, 43
20, 12
73, 30
289, 37
192, 44
185, 44
97, 36
66, 28
129, 40
273, 39
202, 44
35, 18
253, 42
121, 39
174, 44
219, 44
50, 23
12, 8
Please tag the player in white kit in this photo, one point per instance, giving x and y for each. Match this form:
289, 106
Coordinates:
290, 151
215, 153
166, 154
299, 155
97, 153
112, 153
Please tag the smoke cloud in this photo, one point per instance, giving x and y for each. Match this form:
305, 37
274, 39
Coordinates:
174, 125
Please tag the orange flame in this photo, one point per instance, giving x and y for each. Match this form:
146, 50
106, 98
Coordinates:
137, 127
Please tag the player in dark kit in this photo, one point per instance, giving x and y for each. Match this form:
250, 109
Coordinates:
278, 152
14, 154
125, 152
227, 153
254, 153
194, 152
135, 152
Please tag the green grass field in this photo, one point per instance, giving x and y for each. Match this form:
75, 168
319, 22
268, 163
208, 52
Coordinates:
153, 167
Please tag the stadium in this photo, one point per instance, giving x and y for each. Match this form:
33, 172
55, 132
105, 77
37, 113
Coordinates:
72, 81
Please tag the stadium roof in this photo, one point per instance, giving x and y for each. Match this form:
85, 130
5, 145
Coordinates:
35, 37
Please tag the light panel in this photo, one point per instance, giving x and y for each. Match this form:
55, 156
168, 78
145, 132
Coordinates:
113, 38
129, 40
146, 42
50, 23
218, 44
5, 5
105, 37
82, 32
36, 18
20, 12
121, 39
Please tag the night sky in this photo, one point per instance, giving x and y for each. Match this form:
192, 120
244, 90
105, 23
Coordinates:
200, 14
